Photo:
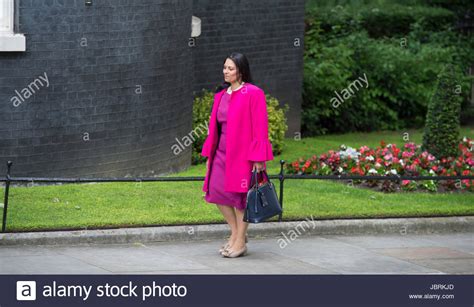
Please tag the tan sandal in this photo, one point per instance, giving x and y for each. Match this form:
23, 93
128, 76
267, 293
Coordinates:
235, 254
226, 246
223, 248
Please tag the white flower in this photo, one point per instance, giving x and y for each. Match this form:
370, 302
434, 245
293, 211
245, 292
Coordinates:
349, 152
372, 171
370, 158
340, 169
393, 171
401, 162
432, 172
377, 165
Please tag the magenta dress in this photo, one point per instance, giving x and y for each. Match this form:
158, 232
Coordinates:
216, 193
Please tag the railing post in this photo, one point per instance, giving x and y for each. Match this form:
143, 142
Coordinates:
282, 178
5, 202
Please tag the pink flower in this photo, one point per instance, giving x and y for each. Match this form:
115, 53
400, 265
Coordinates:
410, 146
364, 149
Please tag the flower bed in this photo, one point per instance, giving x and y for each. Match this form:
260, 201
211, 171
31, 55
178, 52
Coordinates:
389, 160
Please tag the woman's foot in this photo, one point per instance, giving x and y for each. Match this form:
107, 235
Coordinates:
235, 249
235, 252
224, 247
230, 243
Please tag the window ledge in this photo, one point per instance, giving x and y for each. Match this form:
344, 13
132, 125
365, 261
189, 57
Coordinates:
12, 42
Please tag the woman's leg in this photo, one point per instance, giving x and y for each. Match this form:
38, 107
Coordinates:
229, 214
241, 230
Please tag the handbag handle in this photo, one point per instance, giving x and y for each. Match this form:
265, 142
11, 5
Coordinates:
255, 176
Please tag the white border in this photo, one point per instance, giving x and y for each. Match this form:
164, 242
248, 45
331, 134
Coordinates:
9, 41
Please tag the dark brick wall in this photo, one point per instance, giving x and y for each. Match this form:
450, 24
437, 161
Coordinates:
91, 120
266, 32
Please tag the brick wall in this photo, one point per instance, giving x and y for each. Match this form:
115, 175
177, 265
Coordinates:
268, 33
105, 90
117, 96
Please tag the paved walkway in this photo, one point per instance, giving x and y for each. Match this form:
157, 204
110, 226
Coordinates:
329, 254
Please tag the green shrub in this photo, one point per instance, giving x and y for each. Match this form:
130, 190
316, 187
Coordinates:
397, 20
401, 69
400, 83
329, 69
379, 20
277, 123
201, 112
461, 46
441, 135
277, 126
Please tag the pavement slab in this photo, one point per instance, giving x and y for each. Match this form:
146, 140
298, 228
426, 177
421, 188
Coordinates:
325, 254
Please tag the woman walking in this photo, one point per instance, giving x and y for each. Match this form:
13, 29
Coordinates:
237, 144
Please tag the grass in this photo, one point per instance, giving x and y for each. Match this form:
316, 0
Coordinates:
86, 206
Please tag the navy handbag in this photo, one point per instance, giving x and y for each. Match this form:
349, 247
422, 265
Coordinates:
262, 201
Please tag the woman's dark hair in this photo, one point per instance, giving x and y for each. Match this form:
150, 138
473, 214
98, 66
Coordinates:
243, 69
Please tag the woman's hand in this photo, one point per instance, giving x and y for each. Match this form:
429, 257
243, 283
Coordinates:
259, 166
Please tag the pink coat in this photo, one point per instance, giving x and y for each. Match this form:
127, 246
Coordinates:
247, 136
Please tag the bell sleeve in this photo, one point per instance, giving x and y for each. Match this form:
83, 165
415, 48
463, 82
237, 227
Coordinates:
260, 147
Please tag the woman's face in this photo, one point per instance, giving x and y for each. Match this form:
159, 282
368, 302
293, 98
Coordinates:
231, 74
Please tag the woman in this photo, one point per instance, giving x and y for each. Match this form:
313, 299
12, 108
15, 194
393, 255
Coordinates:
237, 144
